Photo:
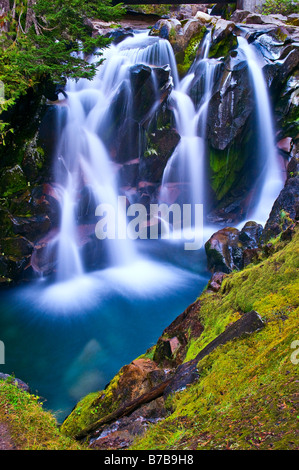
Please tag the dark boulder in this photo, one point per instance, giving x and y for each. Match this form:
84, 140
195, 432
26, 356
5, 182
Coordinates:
284, 211
225, 249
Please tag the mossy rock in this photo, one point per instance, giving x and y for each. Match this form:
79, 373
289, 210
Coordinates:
131, 381
12, 180
223, 47
186, 58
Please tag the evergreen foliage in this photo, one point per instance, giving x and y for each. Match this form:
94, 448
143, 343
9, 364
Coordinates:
43, 40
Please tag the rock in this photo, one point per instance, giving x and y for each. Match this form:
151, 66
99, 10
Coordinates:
159, 147
171, 346
255, 18
166, 28
239, 16
119, 34
13, 268
284, 210
187, 373
203, 17
285, 145
121, 433
223, 39
251, 255
215, 282
225, 249
293, 19
231, 106
12, 180
31, 227
250, 234
165, 349
293, 168
128, 173
15, 246
17, 382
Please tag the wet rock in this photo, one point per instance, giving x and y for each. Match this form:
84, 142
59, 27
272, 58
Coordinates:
215, 282
159, 147
250, 234
223, 39
293, 167
230, 106
225, 249
31, 227
15, 246
119, 34
12, 180
167, 28
121, 433
293, 19
13, 268
284, 210
128, 173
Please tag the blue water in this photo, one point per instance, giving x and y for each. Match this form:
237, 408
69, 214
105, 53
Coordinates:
66, 340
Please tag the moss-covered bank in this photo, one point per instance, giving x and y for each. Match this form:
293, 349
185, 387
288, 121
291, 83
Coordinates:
247, 393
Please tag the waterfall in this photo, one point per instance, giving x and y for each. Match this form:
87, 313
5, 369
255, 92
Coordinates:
83, 161
187, 164
270, 182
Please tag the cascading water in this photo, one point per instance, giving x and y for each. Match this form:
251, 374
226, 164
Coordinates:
270, 181
83, 159
187, 164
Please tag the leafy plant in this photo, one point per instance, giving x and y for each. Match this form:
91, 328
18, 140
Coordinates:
283, 7
44, 41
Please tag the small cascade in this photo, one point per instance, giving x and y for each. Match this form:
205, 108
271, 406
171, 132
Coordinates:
83, 160
271, 180
187, 164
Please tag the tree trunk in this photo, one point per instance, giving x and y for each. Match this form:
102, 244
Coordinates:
31, 18
4, 9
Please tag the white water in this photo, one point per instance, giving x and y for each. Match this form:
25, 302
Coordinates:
271, 179
83, 160
187, 164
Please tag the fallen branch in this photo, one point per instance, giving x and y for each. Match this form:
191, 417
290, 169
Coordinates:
154, 393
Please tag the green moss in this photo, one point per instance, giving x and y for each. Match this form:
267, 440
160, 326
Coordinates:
246, 394
91, 408
30, 427
223, 47
185, 59
225, 166
12, 180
